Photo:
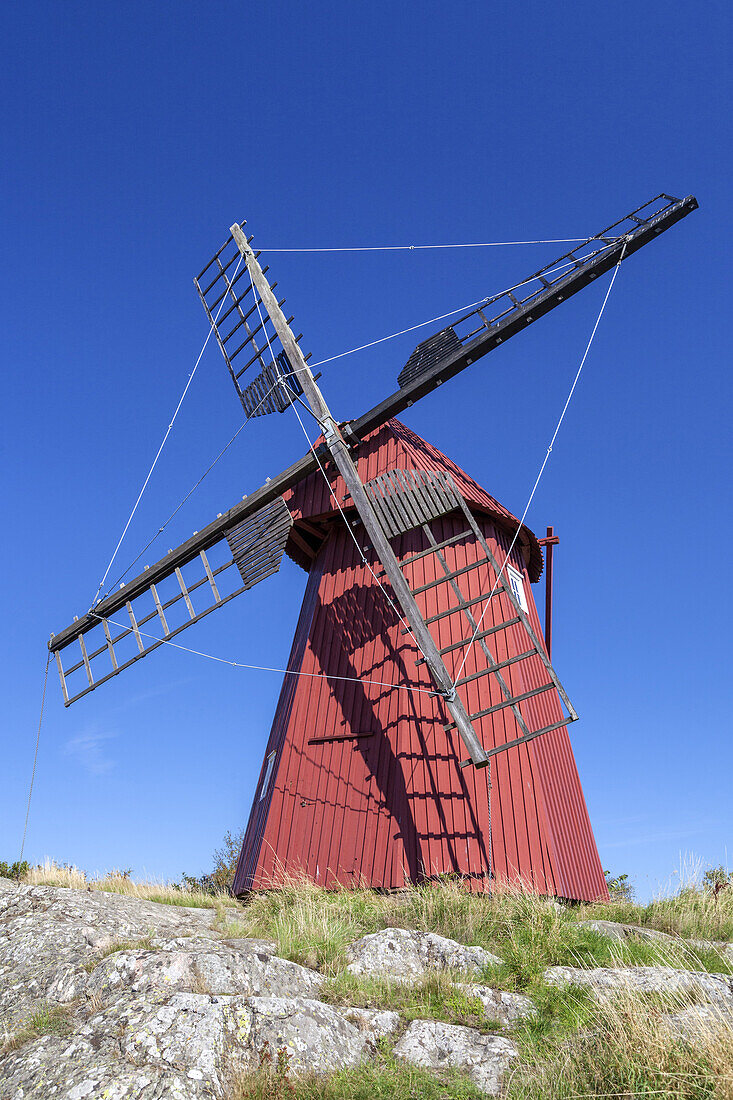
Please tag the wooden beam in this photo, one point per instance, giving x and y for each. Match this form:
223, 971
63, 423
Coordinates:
340, 453
304, 546
521, 318
375, 417
188, 550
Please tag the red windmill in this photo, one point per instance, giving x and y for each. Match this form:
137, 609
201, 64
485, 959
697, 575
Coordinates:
418, 641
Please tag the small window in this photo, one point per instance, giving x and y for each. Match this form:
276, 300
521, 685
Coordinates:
270, 763
516, 580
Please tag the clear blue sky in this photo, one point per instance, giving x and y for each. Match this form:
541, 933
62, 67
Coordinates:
133, 136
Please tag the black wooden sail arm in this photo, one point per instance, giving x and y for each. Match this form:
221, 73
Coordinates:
118, 621
546, 289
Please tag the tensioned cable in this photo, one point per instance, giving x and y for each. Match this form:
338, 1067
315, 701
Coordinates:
417, 247
387, 596
287, 374
333, 496
267, 668
35, 758
544, 462
162, 445
191, 491
451, 313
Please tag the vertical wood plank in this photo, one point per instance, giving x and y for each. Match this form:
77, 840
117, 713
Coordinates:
62, 678
184, 592
110, 647
210, 575
85, 658
159, 608
133, 622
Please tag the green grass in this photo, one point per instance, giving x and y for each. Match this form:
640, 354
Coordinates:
573, 1047
313, 926
435, 997
381, 1078
46, 1020
143, 944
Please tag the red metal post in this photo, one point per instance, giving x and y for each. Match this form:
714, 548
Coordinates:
549, 542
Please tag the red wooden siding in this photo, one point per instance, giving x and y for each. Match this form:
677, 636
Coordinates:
366, 786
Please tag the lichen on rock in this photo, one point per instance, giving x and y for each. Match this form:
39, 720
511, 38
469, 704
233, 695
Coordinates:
404, 954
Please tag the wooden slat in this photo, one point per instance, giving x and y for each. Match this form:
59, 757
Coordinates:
62, 678
506, 703
390, 407
523, 740
495, 667
159, 608
151, 615
339, 737
85, 658
518, 319
154, 643
458, 607
405, 499
450, 576
202, 540
110, 647
210, 575
136, 632
482, 634
184, 592
431, 549
509, 592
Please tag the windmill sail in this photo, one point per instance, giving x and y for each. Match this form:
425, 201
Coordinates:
357, 783
182, 589
245, 333
502, 316
249, 339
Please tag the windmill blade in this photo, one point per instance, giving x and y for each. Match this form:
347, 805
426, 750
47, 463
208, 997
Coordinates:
160, 603
245, 333
478, 332
433, 362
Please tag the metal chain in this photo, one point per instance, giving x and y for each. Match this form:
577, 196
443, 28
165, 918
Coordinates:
488, 784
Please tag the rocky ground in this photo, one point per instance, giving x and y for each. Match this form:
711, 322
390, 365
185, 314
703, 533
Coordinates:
103, 995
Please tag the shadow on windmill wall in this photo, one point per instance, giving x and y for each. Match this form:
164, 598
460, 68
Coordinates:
405, 737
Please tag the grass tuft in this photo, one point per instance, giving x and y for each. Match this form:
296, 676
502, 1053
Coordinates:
692, 910
382, 1078
624, 1048
49, 873
46, 1020
435, 997
313, 926
143, 944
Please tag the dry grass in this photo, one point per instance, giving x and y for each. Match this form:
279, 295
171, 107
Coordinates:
625, 1049
313, 926
49, 873
684, 908
691, 913
573, 1048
